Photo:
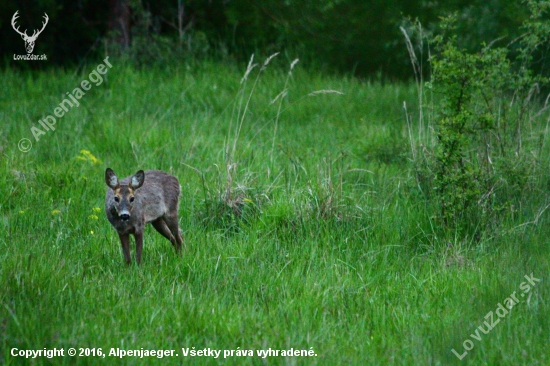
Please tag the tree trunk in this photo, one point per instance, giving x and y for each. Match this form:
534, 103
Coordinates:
119, 22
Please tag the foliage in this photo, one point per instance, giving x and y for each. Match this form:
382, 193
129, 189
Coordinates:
351, 36
485, 107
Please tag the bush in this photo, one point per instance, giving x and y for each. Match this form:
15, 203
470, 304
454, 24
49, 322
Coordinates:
481, 147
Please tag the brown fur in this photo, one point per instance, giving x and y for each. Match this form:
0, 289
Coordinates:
150, 196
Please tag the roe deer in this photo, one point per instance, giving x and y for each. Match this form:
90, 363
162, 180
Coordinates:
150, 196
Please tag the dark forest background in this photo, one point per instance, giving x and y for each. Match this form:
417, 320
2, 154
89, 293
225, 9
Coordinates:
359, 37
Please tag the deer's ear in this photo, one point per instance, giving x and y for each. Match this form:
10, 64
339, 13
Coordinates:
111, 179
137, 180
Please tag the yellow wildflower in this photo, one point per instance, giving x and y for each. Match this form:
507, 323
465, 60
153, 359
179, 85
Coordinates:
96, 209
56, 212
88, 156
93, 217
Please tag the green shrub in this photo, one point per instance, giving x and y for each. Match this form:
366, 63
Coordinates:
482, 146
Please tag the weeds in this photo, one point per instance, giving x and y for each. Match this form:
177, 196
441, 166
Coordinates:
234, 199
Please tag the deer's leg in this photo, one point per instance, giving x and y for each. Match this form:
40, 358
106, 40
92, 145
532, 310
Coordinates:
172, 222
125, 241
139, 244
160, 225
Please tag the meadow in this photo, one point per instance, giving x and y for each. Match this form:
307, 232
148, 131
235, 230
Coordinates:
304, 225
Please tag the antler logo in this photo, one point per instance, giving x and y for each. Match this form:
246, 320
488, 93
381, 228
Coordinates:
29, 40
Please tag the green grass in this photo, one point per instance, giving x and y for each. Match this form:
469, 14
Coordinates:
321, 239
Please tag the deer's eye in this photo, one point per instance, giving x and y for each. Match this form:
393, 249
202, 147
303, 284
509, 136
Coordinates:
131, 199
117, 199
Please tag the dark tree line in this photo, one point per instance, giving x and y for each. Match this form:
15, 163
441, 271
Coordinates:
359, 36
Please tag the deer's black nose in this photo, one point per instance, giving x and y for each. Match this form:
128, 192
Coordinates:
124, 217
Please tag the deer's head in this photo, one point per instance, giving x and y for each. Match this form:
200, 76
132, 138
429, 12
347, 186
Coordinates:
29, 40
123, 198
